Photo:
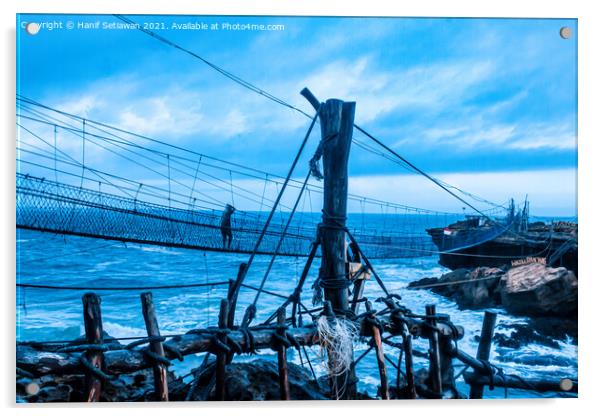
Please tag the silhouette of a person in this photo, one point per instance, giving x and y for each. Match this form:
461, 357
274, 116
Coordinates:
226, 225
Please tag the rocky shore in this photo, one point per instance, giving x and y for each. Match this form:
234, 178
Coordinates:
255, 380
547, 295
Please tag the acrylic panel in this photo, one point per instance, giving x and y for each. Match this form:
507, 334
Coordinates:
260, 208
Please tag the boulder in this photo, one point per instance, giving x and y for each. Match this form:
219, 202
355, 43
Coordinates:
537, 290
482, 292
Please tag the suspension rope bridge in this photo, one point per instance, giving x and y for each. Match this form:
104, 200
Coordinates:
92, 202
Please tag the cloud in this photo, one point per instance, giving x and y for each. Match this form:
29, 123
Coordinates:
173, 113
478, 133
451, 92
381, 91
560, 136
551, 192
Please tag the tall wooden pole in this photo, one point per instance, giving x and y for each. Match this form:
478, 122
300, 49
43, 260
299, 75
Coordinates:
336, 121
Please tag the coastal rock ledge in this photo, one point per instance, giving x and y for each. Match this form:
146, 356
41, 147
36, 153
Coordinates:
537, 290
531, 289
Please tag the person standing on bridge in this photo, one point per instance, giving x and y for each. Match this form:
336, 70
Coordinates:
226, 225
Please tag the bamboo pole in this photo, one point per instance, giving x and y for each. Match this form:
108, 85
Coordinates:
94, 335
282, 367
152, 328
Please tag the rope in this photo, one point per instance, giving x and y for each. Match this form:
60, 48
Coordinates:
117, 288
280, 240
452, 283
248, 85
273, 210
263, 174
83, 151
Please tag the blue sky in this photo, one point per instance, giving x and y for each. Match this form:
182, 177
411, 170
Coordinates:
487, 103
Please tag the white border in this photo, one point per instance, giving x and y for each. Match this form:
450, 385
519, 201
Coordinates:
590, 209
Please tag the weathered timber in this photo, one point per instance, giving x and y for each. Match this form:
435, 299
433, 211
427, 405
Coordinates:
358, 291
156, 347
434, 352
448, 380
121, 361
221, 358
233, 290
282, 368
469, 360
336, 122
94, 335
510, 381
312, 254
409, 362
128, 361
484, 349
380, 356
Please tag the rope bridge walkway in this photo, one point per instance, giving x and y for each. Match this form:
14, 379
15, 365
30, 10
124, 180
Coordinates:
62, 189
49, 206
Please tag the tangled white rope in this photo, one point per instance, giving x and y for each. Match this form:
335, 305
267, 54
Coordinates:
337, 337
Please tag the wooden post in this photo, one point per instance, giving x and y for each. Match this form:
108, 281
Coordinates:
221, 358
358, 291
282, 369
484, 349
380, 357
304, 273
94, 335
336, 121
233, 293
434, 352
152, 329
409, 361
233, 290
448, 381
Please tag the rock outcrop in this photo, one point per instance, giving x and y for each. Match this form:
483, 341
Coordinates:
468, 288
537, 290
531, 289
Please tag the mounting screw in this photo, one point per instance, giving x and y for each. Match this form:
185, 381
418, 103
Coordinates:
565, 32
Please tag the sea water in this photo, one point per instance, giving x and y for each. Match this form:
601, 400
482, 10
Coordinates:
52, 259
